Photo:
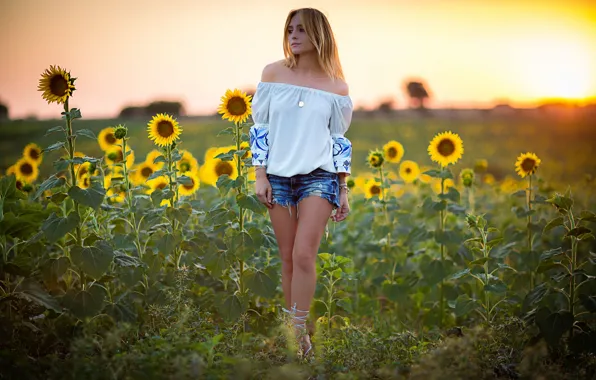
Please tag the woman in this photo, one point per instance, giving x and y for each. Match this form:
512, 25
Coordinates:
301, 111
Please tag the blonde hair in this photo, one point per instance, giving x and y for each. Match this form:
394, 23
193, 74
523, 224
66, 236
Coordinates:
319, 32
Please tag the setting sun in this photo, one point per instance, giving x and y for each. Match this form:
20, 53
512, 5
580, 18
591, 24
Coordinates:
556, 67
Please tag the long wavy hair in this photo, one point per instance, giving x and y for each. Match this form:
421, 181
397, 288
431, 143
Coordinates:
319, 32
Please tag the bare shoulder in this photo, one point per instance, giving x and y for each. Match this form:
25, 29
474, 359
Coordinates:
340, 87
271, 71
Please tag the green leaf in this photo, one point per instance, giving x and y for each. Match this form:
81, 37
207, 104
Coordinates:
433, 272
94, 261
167, 244
231, 308
86, 303
184, 180
561, 202
498, 287
34, 292
452, 195
125, 260
54, 269
261, 284
58, 198
554, 325
225, 184
54, 129
53, 147
444, 173
587, 216
459, 274
479, 261
558, 221
86, 133
519, 193
346, 304
589, 302
157, 173
534, 296
91, 197
490, 245
577, 232
61, 164
250, 202
55, 227
547, 255
75, 113
180, 214
48, 184
464, 305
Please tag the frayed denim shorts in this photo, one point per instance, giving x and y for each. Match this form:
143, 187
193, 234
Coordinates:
289, 191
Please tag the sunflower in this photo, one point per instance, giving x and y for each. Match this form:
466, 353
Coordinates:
12, 170
192, 188
480, 166
215, 167
372, 188
436, 185
152, 156
142, 172
446, 148
393, 151
188, 163
56, 84
409, 171
159, 183
359, 185
86, 169
163, 129
210, 153
26, 170
84, 182
526, 164
235, 106
489, 179
467, 177
244, 145
107, 139
375, 159
114, 156
33, 152
115, 196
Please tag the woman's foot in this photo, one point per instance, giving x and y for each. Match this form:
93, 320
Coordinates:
297, 319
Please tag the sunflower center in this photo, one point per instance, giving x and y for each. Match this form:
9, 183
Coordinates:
528, 164
58, 85
223, 167
34, 154
27, 168
110, 138
184, 166
446, 147
392, 152
165, 129
119, 156
19, 184
82, 171
161, 185
374, 189
146, 172
408, 170
236, 106
191, 186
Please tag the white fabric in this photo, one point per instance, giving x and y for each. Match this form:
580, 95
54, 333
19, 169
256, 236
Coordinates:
289, 139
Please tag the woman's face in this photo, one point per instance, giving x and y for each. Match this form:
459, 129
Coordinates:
299, 42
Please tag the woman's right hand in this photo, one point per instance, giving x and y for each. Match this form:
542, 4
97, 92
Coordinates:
263, 188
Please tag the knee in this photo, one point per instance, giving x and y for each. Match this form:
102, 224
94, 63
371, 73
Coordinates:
286, 259
304, 259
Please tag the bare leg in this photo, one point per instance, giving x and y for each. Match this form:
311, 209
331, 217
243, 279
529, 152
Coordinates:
314, 214
284, 227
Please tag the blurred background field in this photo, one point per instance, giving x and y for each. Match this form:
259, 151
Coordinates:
566, 145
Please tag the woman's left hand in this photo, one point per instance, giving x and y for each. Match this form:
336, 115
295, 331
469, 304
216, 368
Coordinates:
344, 207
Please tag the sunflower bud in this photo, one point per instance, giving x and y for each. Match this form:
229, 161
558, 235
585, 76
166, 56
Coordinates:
467, 177
375, 159
480, 166
113, 156
27, 188
351, 183
120, 132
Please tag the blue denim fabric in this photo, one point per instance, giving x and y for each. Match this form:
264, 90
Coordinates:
289, 191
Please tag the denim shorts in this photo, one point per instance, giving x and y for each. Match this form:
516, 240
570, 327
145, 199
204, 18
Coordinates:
289, 191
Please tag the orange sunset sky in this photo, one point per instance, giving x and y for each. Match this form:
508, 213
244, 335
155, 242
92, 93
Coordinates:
129, 52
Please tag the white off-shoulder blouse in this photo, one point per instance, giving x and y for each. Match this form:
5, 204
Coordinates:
299, 129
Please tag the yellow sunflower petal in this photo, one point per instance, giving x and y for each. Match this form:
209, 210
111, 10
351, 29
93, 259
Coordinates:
393, 151
56, 84
33, 152
189, 189
26, 170
409, 171
527, 164
446, 148
235, 106
107, 139
163, 129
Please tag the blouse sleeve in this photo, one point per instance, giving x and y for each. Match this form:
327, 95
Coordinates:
339, 124
259, 132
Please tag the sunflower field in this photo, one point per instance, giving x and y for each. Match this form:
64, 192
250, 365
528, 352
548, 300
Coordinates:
140, 251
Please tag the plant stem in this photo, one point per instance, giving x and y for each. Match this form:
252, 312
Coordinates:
529, 226
71, 149
485, 254
237, 136
442, 229
573, 263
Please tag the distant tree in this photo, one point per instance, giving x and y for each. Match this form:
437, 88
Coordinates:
133, 112
172, 108
386, 106
417, 94
3, 112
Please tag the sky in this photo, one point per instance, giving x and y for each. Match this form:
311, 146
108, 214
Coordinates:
130, 52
